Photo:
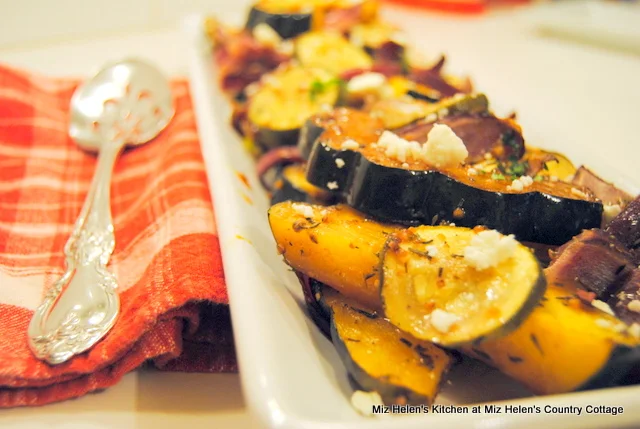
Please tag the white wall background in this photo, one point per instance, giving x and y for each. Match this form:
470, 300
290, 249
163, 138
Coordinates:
32, 23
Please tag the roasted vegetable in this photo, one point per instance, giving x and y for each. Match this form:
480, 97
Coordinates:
397, 113
602, 189
286, 24
380, 357
330, 51
313, 245
270, 165
293, 186
435, 287
284, 101
563, 345
415, 192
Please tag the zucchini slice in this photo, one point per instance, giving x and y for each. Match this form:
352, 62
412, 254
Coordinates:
417, 193
284, 101
336, 246
286, 23
293, 186
431, 290
380, 357
330, 51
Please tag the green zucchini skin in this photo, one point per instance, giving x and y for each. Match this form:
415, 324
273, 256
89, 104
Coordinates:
267, 139
287, 25
395, 195
618, 371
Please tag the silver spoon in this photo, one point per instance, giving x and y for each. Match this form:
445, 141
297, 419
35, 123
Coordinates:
126, 103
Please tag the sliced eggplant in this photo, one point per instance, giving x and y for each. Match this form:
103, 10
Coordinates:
434, 287
380, 357
330, 51
284, 101
286, 24
352, 123
417, 193
293, 186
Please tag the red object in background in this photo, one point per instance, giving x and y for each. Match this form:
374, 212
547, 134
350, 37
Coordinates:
467, 7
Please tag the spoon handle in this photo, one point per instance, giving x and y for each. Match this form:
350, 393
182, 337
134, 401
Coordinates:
82, 305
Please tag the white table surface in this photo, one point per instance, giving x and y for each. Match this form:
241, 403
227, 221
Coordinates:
507, 60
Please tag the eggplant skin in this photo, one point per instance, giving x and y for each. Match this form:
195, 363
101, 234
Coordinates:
287, 25
396, 195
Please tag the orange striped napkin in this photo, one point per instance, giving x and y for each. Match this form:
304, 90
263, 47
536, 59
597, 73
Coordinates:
167, 256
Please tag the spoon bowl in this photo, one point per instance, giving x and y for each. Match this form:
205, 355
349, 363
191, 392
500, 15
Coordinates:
132, 87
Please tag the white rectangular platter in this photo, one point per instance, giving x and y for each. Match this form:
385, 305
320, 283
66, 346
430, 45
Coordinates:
292, 377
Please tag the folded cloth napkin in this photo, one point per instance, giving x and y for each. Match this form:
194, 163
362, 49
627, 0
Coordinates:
167, 255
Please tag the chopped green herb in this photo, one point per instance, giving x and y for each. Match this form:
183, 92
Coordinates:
497, 176
538, 178
319, 87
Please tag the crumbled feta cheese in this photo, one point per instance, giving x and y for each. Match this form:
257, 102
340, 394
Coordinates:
303, 209
405, 165
520, 183
472, 171
366, 83
398, 148
432, 117
444, 148
332, 185
339, 162
553, 178
610, 211
363, 402
442, 320
349, 144
443, 112
489, 248
286, 47
604, 323
578, 193
488, 156
251, 89
634, 306
634, 330
432, 251
602, 306
266, 35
